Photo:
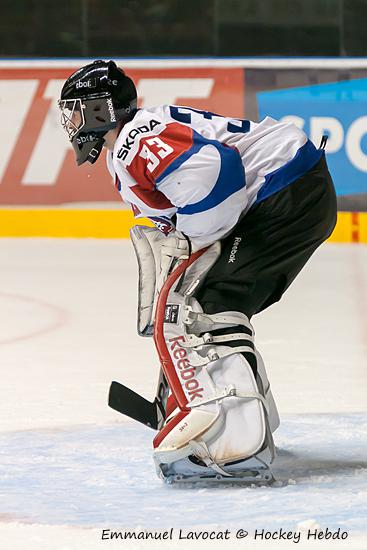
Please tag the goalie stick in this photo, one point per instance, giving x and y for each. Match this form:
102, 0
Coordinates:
150, 413
121, 398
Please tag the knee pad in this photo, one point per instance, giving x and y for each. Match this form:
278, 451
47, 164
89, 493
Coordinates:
224, 409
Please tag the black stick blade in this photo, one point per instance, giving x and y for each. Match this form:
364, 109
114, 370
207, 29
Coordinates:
127, 402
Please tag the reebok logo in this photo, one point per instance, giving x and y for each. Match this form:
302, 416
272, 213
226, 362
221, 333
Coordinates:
111, 110
187, 372
232, 256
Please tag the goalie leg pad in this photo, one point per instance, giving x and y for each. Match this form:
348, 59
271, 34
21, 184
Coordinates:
227, 417
157, 255
224, 415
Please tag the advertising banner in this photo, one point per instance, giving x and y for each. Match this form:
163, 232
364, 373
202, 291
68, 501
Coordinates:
37, 165
38, 169
321, 102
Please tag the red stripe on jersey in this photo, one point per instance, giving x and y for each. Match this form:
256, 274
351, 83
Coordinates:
157, 152
151, 197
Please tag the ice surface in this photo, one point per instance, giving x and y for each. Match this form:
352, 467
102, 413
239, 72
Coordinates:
103, 476
69, 465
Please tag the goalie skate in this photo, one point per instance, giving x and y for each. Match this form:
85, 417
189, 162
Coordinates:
253, 471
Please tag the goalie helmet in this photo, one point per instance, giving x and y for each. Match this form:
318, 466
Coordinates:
93, 101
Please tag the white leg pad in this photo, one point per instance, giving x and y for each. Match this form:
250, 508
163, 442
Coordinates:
225, 415
232, 428
243, 431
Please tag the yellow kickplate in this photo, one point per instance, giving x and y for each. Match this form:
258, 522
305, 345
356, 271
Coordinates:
350, 228
115, 224
101, 224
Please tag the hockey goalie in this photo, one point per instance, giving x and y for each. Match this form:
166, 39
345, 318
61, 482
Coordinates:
238, 208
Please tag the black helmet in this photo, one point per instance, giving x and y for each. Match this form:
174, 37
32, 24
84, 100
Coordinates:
93, 100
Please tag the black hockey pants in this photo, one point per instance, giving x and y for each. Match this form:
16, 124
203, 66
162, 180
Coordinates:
269, 246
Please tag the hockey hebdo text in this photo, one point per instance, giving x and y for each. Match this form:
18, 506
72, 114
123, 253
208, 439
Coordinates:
295, 536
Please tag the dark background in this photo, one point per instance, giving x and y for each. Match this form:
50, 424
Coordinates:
40, 28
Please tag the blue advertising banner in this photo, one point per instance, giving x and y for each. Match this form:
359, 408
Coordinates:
337, 109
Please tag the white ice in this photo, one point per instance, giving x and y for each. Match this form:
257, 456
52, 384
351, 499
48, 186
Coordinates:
69, 466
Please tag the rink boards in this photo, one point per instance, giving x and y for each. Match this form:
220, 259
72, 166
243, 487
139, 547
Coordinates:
43, 193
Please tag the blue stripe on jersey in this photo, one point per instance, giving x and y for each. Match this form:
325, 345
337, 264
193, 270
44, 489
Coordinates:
198, 143
231, 176
305, 158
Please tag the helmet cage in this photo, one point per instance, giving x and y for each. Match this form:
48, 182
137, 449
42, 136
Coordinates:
72, 116
93, 114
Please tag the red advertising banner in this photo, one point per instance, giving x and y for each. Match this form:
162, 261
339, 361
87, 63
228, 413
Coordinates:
37, 165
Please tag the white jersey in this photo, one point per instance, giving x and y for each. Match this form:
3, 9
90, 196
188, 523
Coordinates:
203, 169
